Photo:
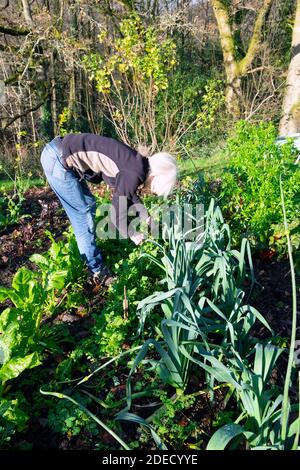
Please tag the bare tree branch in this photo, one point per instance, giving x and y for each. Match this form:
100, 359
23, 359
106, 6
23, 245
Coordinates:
27, 111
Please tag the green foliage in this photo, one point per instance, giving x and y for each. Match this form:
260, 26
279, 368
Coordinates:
204, 295
19, 325
194, 191
139, 52
249, 194
266, 413
205, 322
259, 400
170, 422
223, 417
68, 123
12, 418
65, 418
62, 263
59, 270
34, 293
112, 329
65, 367
11, 203
192, 319
261, 403
81, 406
11, 209
142, 90
129, 73
63, 122
212, 103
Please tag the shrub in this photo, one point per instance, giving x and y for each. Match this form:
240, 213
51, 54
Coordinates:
128, 74
249, 192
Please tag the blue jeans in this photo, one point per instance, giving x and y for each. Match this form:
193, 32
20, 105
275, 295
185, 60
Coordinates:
77, 200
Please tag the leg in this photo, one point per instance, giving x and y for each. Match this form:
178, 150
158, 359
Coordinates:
78, 203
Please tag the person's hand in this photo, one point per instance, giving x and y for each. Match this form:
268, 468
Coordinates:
137, 238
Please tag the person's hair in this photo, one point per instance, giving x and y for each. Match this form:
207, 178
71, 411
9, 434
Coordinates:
163, 169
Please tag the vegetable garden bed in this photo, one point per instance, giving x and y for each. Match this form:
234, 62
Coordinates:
84, 331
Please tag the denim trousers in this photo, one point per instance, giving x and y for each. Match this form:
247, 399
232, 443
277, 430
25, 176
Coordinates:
77, 201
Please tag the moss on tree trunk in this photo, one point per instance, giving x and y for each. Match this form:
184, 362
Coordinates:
235, 69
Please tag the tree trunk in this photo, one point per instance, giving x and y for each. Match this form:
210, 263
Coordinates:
290, 121
72, 111
27, 12
234, 92
235, 69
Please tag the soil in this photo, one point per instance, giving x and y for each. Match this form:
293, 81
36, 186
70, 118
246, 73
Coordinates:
20, 241
272, 297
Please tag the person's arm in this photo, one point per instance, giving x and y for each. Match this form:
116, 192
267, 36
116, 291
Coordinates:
126, 185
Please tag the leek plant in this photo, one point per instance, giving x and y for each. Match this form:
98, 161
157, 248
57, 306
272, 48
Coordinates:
205, 267
261, 404
223, 270
268, 417
204, 296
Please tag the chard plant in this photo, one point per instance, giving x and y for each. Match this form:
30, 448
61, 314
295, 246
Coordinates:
12, 418
59, 269
61, 264
34, 294
19, 325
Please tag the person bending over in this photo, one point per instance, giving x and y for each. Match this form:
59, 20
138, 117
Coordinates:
70, 161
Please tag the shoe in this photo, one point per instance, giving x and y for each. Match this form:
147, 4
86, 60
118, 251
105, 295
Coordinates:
104, 277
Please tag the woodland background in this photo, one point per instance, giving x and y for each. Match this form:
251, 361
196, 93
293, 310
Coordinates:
179, 73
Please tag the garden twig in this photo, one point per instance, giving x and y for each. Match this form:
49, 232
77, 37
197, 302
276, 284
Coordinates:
125, 305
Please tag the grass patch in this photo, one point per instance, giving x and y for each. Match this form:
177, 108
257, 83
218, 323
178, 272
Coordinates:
211, 160
7, 184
